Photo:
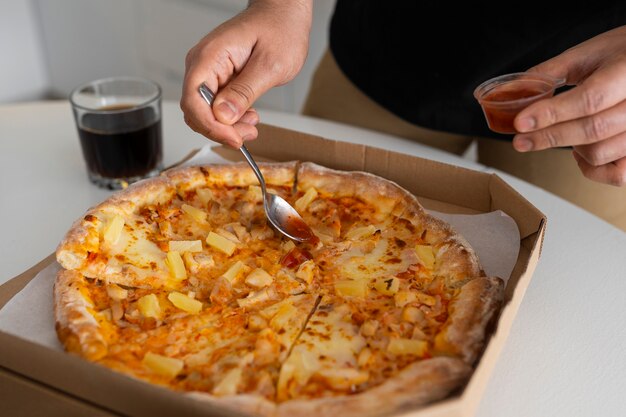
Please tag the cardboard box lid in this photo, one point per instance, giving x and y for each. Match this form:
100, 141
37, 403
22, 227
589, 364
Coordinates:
438, 186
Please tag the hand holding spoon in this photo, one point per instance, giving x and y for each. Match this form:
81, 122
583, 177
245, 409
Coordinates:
278, 211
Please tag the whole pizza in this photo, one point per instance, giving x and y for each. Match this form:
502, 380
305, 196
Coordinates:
180, 281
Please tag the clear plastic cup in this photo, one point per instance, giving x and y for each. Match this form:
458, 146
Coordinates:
503, 97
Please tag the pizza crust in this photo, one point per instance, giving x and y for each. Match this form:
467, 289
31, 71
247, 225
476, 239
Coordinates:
235, 174
247, 403
418, 384
470, 314
386, 195
75, 325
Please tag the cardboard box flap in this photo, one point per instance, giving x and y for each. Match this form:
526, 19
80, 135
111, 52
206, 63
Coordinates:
528, 218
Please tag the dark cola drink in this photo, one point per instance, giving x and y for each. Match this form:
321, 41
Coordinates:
128, 153
119, 126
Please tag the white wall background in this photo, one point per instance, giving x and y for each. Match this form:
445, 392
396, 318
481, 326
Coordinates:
23, 71
48, 47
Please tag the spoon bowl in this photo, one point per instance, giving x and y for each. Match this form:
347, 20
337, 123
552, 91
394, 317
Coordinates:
281, 215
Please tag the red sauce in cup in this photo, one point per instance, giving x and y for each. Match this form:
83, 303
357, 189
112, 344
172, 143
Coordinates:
500, 118
503, 97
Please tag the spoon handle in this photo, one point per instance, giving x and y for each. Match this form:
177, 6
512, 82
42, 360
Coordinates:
254, 166
208, 96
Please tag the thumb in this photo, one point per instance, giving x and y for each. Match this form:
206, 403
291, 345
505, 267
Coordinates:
236, 97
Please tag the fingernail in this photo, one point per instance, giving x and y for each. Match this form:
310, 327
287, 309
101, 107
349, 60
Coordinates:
523, 144
526, 123
227, 111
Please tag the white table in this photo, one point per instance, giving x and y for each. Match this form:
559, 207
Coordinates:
566, 352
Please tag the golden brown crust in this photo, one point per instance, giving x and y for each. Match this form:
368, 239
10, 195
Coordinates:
470, 313
75, 325
247, 403
240, 174
418, 384
386, 195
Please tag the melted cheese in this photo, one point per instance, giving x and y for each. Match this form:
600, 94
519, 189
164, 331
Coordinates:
134, 255
329, 342
360, 263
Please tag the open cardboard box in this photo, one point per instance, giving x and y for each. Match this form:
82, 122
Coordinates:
38, 380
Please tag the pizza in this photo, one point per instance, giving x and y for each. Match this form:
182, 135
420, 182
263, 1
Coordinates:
180, 281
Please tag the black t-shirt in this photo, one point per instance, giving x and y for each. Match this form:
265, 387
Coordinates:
423, 59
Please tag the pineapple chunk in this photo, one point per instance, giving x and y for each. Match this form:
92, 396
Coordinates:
221, 243
387, 286
176, 266
303, 202
185, 245
403, 298
113, 230
205, 195
254, 193
412, 314
343, 378
235, 271
288, 245
259, 278
116, 292
185, 303
402, 346
281, 319
149, 306
353, 288
426, 255
228, 385
162, 365
369, 328
360, 232
306, 271
364, 357
195, 213
302, 364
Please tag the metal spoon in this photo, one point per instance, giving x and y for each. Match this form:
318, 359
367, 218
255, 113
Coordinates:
279, 212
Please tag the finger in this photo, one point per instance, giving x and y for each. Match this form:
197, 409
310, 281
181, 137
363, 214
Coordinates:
613, 173
250, 117
582, 131
246, 131
603, 152
236, 97
199, 115
593, 95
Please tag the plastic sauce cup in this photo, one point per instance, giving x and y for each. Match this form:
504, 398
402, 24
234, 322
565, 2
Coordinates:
503, 97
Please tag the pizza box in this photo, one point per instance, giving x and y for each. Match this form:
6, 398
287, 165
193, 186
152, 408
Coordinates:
35, 379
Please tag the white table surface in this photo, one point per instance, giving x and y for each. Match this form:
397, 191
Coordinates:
565, 356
